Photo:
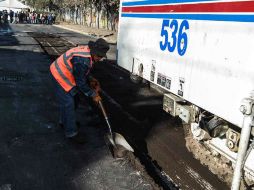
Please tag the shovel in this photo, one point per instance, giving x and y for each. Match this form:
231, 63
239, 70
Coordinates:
113, 139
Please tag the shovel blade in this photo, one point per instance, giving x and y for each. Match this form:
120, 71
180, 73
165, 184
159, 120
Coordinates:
120, 140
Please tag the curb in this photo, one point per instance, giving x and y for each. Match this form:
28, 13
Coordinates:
73, 30
81, 32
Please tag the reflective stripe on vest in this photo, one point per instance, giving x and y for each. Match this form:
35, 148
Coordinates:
62, 68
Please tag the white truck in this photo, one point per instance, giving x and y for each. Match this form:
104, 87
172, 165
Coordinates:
201, 53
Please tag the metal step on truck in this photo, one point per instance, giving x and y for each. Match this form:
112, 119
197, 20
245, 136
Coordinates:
201, 53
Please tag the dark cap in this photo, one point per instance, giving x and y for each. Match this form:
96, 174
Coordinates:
100, 47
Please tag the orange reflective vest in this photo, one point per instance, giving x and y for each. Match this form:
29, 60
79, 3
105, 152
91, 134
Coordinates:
62, 68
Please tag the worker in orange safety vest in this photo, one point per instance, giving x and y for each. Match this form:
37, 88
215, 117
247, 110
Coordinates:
71, 71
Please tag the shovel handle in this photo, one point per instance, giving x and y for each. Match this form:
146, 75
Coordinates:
103, 110
106, 118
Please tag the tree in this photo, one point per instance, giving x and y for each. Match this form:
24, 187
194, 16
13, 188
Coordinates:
112, 12
39, 4
77, 10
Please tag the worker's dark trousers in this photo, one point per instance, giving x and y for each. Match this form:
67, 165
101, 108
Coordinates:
67, 111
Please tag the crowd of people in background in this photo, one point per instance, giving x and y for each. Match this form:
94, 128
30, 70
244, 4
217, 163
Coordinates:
26, 17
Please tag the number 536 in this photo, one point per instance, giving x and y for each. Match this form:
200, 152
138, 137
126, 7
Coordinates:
178, 36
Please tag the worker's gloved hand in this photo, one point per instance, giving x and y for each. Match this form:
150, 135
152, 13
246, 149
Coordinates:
95, 85
97, 98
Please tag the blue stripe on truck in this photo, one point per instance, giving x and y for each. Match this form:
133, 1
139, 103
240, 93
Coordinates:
153, 2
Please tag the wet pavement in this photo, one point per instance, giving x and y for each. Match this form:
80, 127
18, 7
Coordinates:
33, 151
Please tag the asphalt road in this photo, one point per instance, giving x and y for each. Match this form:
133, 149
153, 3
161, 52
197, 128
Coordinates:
33, 151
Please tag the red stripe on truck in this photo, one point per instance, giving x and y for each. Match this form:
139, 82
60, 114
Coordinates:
241, 6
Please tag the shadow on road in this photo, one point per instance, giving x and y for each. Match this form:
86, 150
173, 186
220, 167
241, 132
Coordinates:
33, 151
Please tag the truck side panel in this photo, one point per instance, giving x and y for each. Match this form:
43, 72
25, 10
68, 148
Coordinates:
204, 57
